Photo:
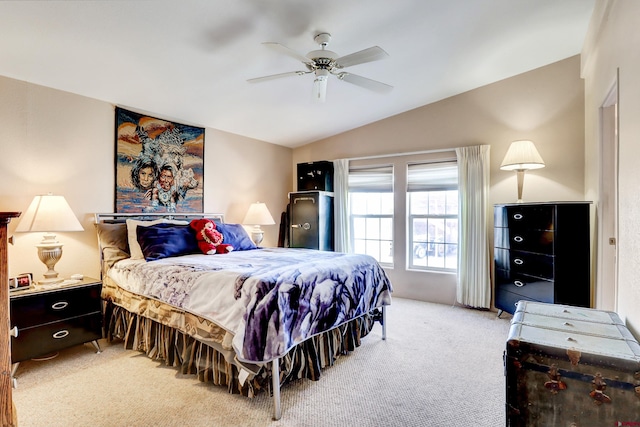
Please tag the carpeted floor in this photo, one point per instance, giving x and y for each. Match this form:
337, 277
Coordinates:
440, 366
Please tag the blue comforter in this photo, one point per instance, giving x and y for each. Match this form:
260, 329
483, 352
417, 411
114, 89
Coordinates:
270, 299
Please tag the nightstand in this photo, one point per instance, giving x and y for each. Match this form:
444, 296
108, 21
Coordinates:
50, 318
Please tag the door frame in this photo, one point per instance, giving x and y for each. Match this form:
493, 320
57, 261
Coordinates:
606, 295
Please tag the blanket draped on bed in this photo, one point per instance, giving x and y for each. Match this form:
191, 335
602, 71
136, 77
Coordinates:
271, 300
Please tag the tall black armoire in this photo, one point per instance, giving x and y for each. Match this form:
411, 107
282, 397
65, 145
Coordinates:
310, 210
311, 220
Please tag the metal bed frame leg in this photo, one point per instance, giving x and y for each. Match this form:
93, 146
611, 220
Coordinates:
275, 385
275, 370
384, 322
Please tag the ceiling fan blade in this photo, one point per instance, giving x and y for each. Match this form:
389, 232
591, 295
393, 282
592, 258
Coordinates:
287, 51
365, 82
277, 76
367, 55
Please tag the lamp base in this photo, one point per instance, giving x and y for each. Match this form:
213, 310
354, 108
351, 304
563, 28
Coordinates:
50, 252
257, 234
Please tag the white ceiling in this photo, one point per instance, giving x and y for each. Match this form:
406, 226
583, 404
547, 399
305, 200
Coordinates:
189, 60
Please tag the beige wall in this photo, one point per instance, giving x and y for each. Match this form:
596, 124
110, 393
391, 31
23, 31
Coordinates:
53, 141
545, 105
612, 44
42, 126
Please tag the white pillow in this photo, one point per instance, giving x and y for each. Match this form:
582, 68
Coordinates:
132, 236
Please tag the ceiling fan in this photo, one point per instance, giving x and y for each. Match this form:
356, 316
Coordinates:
323, 62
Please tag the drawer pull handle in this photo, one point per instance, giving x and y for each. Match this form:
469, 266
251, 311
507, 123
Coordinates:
518, 239
518, 283
518, 216
61, 334
60, 305
518, 261
13, 332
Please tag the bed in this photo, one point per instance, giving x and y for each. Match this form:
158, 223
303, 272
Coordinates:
251, 320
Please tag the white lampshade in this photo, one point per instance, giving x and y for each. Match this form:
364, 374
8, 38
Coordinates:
522, 155
49, 214
258, 214
320, 85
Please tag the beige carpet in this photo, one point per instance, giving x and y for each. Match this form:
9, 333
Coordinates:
440, 366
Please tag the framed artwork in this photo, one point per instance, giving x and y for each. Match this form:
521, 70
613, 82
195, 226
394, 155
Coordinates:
159, 165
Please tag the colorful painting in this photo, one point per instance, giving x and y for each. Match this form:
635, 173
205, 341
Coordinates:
159, 165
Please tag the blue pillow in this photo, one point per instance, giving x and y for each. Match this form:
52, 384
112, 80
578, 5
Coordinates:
236, 236
166, 240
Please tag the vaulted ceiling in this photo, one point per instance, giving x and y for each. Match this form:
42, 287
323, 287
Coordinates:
189, 60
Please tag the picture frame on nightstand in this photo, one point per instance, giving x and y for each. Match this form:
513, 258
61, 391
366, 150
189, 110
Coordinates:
21, 281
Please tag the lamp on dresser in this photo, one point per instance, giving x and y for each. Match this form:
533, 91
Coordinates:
49, 214
257, 215
521, 156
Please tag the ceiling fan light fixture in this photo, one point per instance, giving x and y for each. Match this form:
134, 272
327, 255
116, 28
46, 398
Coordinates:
320, 85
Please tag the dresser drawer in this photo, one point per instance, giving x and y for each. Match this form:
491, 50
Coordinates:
528, 287
518, 262
46, 307
526, 217
508, 301
45, 339
539, 241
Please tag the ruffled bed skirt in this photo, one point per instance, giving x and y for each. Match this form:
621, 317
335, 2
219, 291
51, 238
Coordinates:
218, 366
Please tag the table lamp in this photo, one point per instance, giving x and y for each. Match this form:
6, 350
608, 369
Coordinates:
521, 156
258, 215
49, 214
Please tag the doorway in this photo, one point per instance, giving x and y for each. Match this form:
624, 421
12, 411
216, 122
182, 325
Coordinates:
607, 208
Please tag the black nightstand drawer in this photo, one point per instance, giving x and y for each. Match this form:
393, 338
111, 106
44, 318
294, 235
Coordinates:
46, 307
45, 339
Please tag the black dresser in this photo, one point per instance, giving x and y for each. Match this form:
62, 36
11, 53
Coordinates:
542, 253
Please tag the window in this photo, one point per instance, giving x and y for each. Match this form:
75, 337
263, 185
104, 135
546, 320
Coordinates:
432, 196
371, 212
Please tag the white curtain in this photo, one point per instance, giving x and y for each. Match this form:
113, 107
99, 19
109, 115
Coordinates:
341, 205
474, 282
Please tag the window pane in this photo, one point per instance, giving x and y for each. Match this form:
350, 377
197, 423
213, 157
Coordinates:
373, 248
418, 202
359, 228
419, 230
451, 235
437, 203
373, 228
386, 252
371, 219
358, 203
373, 204
433, 229
452, 203
386, 199
386, 229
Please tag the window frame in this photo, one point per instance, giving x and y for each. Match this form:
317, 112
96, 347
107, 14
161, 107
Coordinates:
372, 179
432, 177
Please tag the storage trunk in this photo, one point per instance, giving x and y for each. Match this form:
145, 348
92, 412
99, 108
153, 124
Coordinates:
567, 366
